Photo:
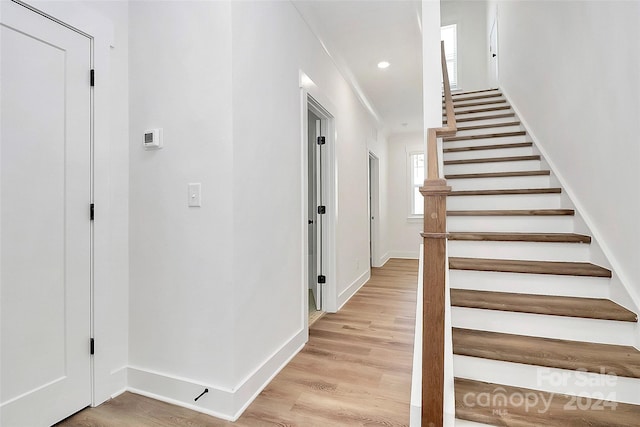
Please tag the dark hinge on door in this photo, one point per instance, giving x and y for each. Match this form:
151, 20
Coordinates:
92, 211
92, 346
321, 140
322, 210
92, 77
322, 279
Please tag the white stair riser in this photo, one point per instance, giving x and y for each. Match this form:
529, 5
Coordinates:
536, 181
522, 224
510, 201
499, 129
552, 380
481, 121
459, 107
486, 154
482, 113
485, 141
511, 166
533, 251
459, 96
538, 325
542, 284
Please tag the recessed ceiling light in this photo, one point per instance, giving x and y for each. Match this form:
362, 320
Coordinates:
383, 64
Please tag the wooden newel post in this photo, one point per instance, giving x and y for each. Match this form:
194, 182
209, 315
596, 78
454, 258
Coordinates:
434, 238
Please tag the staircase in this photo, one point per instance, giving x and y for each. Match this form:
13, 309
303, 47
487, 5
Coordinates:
536, 340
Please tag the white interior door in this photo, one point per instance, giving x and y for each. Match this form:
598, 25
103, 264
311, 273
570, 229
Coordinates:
315, 200
45, 229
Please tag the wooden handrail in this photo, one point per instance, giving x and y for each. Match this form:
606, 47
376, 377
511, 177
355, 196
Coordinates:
435, 192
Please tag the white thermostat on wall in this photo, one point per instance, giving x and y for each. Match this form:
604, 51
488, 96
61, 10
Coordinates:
152, 139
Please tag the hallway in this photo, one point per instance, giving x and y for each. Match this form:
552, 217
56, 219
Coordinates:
355, 369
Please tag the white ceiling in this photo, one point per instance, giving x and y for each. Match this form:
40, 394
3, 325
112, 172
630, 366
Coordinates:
360, 33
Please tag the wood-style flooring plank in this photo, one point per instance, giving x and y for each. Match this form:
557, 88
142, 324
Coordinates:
513, 212
484, 136
497, 174
529, 267
520, 237
355, 370
542, 408
589, 308
489, 126
620, 360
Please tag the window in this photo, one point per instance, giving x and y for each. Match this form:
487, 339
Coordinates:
416, 178
450, 38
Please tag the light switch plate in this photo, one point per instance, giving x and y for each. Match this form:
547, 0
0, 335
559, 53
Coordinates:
195, 194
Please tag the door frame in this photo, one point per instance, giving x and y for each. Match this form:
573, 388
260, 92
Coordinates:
373, 177
312, 98
105, 381
494, 75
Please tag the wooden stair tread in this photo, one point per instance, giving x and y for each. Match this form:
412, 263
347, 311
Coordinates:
520, 237
550, 352
506, 192
476, 103
485, 136
589, 308
497, 174
474, 97
492, 160
481, 110
473, 91
594, 412
488, 147
513, 212
529, 267
489, 117
495, 125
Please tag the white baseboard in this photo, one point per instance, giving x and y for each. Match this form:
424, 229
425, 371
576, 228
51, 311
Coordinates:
352, 289
383, 260
220, 402
404, 254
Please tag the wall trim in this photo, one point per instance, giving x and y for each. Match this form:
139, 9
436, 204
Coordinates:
352, 289
404, 254
220, 402
383, 259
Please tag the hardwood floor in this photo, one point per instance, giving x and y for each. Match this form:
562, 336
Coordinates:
355, 370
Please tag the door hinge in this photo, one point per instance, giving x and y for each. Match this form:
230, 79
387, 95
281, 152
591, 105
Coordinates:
92, 211
321, 140
322, 279
92, 346
322, 210
92, 78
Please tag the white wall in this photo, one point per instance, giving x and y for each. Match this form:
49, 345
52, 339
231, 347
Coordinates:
473, 45
404, 233
572, 70
271, 43
182, 289
217, 292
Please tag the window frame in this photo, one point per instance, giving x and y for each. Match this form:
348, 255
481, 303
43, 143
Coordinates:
411, 185
453, 57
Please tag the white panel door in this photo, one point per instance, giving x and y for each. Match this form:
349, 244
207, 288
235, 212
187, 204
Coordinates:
45, 229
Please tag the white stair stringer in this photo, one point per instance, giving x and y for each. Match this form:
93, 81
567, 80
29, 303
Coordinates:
542, 325
552, 380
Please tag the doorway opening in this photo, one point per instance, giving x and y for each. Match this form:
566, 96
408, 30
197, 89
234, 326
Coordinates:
374, 208
319, 211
